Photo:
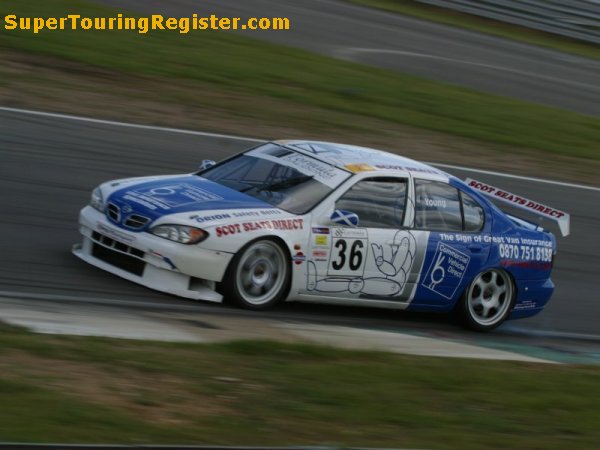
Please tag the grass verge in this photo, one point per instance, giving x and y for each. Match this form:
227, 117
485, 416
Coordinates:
237, 67
73, 389
483, 25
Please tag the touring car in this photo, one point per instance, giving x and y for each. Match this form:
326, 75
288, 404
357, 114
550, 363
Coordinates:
322, 222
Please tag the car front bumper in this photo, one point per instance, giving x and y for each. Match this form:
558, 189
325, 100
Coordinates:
184, 270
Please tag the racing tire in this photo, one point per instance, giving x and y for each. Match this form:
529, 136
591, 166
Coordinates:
488, 300
258, 276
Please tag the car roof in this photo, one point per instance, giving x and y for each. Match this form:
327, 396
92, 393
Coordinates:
363, 159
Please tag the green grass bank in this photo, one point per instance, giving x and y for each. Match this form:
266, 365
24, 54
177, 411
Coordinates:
235, 66
74, 389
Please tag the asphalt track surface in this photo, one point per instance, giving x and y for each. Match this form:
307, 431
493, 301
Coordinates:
396, 42
48, 166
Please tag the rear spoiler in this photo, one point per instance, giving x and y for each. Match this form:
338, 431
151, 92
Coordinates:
562, 218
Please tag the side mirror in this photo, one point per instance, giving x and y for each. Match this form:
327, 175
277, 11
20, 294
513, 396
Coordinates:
206, 164
345, 218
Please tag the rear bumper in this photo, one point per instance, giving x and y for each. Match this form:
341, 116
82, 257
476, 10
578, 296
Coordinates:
154, 262
532, 296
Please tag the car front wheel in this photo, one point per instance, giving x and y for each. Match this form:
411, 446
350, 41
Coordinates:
258, 276
488, 301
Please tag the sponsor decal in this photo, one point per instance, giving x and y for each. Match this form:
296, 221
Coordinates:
359, 167
517, 200
320, 230
526, 304
356, 233
534, 207
269, 212
116, 235
321, 171
509, 248
464, 238
320, 255
246, 214
190, 194
534, 265
322, 240
446, 270
223, 216
210, 218
256, 213
515, 251
275, 224
140, 200
406, 168
227, 230
170, 196
284, 224
299, 258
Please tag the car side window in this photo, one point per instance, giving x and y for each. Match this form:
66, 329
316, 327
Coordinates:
437, 206
473, 213
379, 202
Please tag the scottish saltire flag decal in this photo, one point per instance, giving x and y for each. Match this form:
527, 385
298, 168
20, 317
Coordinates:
342, 217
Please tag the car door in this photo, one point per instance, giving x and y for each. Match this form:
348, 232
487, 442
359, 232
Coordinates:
374, 260
457, 244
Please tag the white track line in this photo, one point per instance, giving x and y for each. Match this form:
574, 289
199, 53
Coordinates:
125, 124
356, 50
240, 138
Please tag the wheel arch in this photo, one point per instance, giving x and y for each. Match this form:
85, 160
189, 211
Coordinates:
459, 309
269, 237
483, 269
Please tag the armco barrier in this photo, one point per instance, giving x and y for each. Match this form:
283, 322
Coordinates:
576, 19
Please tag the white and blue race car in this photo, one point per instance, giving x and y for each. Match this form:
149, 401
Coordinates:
321, 222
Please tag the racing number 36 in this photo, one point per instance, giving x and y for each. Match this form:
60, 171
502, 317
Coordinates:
353, 258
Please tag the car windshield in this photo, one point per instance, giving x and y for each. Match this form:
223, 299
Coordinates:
279, 176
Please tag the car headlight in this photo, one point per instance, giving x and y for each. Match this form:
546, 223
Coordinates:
97, 200
180, 233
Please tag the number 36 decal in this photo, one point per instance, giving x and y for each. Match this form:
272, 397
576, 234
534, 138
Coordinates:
348, 257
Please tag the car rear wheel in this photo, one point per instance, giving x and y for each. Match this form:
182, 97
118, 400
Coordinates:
488, 301
259, 275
